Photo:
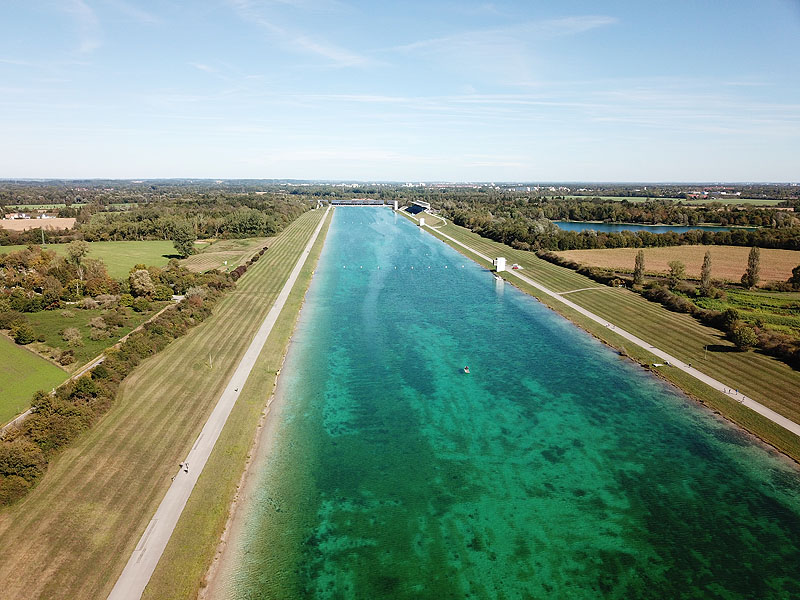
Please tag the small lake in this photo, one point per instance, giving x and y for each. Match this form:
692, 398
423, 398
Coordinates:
608, 227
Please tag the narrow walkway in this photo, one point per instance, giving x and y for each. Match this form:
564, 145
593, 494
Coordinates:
136, 574
674, 362
601, 287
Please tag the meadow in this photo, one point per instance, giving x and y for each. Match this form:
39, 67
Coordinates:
120, 256
763, 378
21, 374
234, 251
727, 262
50, 323
72, 535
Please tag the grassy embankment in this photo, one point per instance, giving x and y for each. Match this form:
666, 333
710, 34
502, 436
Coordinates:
193, 545
119, 256
761, 377
71, 536
21, 374
235, 251
728, 262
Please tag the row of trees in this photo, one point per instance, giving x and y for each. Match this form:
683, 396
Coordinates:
58, 418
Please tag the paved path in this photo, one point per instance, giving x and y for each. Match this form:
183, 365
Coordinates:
145, 557
674, 362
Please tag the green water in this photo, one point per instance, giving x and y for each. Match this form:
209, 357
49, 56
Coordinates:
554, 470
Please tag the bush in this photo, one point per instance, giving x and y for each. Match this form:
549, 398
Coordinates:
163, 292
88, 304
141, 304
22, 332
67, 358
73, 337
126, 300
744, 337
67, 314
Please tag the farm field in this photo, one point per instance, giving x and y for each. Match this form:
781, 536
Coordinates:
761, 377
120, 256
727, 262
73, 534
25, 224
21, 374
50, 324
235, 251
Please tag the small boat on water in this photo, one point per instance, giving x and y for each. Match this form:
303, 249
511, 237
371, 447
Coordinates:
466, 370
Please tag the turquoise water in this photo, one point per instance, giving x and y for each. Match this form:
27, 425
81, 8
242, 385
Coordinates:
555, 469
608, 227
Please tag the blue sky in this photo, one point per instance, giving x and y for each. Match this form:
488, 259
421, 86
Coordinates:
403, 91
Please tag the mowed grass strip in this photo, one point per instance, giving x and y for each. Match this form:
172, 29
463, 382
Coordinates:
234, 251
21, 374
761, 377
727, 262
71, 537
119, 256
192, 547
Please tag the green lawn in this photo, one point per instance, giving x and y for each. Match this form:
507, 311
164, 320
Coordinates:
234, 251
763, 378
120, 256
72, 535
50, 324
21, 374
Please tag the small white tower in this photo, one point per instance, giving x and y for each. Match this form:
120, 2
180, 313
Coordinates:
395, 206
500, 263
422, 221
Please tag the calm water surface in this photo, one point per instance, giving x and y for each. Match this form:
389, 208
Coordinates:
554, 470
608, 227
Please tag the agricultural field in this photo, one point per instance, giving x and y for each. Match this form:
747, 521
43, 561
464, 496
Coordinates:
120, 256
215, 254
21, 374
49, 324
25, 224
779, 311
727, 262
72, 535
763, 378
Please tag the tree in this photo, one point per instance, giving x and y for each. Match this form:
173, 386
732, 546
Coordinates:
638, 269
753, 272
744, 337
705, 275
76, 251
677, 273
795, 278
141, 283
23, 333
183, 238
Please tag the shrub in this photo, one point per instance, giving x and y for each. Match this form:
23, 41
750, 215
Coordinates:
67, 314
126, 300
67, 358
163, 292
744, 337
141, 304
22, 332
88, 304
73, 337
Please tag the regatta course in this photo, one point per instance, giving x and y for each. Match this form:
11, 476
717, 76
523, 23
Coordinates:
555, 468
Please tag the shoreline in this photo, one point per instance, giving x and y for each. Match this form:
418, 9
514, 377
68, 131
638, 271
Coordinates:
708, 399
264, 438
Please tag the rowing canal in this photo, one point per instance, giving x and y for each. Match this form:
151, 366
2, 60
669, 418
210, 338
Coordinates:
555, 469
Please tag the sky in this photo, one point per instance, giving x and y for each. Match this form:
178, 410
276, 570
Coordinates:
528, 91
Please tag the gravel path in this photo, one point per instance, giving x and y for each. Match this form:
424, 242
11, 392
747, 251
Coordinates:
673, 362
145, 557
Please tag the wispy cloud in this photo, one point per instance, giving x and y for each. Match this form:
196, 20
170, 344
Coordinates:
134, 12
296, 41
500, 54
87, 24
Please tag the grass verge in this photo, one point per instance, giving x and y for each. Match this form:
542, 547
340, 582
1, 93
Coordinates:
194, 542
761, 377
72, 535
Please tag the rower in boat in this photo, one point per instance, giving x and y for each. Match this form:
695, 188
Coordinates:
466, 370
